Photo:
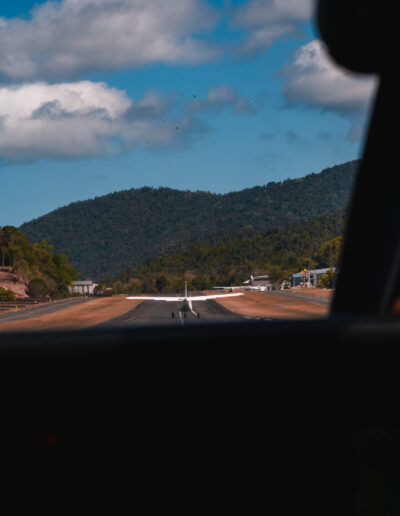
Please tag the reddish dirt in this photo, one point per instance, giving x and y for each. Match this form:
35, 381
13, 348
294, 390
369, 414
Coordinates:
258, 304
251, 304
75, 317
11, 281
320, 292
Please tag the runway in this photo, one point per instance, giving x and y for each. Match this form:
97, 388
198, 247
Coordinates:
121, 312
159, 313
41, 309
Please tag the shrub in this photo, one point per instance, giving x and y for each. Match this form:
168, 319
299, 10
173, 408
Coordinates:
6, 294
326, 280
37, 288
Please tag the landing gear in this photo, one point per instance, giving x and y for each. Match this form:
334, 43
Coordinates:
198, 316
172, 315
184, 315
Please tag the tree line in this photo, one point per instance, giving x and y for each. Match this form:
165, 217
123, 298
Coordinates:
278, 253
48, 273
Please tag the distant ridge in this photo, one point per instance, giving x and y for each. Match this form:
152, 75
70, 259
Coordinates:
108, 234
279, 253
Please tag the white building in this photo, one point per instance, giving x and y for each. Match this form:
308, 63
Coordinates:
311, 277
84, 288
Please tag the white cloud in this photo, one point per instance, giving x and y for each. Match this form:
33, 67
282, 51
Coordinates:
268, 20
63, 40
81, 119
220, 97
312, 79
62, 120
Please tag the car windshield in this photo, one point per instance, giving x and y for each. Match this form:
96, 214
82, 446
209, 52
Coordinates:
171, 162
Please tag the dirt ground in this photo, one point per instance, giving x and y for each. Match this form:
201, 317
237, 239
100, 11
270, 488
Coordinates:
75, 317
251, 304
11, 281
260, 304
319, 292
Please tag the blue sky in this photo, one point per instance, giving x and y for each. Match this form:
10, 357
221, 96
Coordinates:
98, 96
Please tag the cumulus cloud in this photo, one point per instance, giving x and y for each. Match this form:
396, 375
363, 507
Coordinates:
267, 20
81, 119
62, 120
312, 79
153, 105
220, 97
65, 39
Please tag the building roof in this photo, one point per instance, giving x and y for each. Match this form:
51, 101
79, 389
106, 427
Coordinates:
82, 283
314, 271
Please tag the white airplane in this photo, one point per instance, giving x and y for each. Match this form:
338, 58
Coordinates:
248, 285
187, 300
259, 288
231, 289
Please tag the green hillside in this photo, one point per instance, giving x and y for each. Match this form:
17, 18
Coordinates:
44, 271
279, 253
108, 234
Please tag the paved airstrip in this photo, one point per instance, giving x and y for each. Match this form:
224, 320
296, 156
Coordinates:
160, 312
41, 309
118, 312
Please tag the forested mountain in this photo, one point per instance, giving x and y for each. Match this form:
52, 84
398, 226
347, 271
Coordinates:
278, 253
108, 234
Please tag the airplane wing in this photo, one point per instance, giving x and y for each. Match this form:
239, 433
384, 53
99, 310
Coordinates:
180, 299
228, 288
149, 298
214, 296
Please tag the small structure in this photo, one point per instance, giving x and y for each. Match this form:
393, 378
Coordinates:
309, 277
106, 291
257, 281
84, 288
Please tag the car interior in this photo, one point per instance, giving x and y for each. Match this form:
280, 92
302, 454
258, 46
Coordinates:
278, 405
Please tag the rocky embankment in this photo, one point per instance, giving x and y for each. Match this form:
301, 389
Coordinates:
11, 281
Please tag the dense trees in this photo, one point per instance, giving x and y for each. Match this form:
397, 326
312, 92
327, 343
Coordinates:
6, 294
37, 262
327, 279
328, 255
14, 247
277, 253
108, 234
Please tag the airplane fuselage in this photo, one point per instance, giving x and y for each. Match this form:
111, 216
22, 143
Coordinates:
187, 306
187, 301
